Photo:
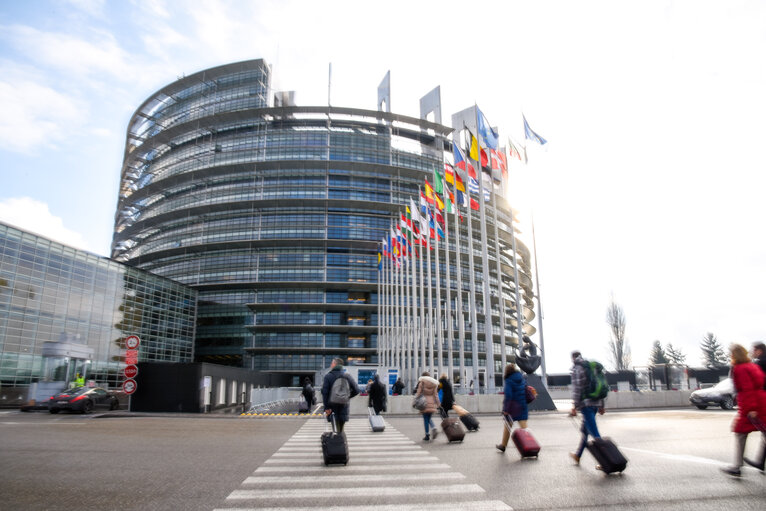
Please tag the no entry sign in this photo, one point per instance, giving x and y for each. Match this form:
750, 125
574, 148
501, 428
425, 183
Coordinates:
132, 342
131, 371
129, 386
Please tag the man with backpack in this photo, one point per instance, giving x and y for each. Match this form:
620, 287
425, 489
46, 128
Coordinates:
589, 388
337, 390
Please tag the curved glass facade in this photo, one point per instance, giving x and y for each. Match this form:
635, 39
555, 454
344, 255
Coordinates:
273, 213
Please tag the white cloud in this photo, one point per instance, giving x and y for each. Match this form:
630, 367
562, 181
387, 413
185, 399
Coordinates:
35, 115
34, 216
93, 8
72, 54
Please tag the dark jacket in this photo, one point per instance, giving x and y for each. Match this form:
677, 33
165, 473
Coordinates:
515, 396
398, 387
761, 362
448, 397
579, 382
308, 394
340, 411
378, 396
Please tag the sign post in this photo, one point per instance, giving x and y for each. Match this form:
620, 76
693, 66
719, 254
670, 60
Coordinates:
129, 386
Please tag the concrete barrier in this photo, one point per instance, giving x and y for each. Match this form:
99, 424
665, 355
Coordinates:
492, 403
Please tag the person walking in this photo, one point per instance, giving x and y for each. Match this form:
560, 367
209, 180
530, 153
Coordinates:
514, 402
587, 407
335, 398
751, 402
759, 359
446, 394
377, 393
308, 393
428, 388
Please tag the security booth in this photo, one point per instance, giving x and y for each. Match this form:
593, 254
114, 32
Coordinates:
63, 360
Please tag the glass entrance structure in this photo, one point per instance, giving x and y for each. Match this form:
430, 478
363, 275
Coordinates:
272, 212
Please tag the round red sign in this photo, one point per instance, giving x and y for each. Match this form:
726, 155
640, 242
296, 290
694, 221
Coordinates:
132, 342
129, 386
131, 371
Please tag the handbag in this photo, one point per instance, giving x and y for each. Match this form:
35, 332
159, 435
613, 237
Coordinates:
419, 402
530, 393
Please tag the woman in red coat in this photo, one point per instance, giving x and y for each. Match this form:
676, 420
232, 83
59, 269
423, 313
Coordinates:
751, 401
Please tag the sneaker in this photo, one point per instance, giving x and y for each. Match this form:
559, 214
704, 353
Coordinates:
732, 471
575, 457
752, 463
435, 433
426, 438
500, 447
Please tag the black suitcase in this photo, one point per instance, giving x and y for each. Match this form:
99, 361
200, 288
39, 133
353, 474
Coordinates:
452, 428
470, 422
334, 446
608, 455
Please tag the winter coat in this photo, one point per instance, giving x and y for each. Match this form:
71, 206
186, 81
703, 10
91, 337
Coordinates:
398, 387
515, 398
448, 397
308, 394
748, 380
378, 396
429, 387
340, 411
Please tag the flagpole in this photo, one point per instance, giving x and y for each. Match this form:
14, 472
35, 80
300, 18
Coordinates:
500, 299
379, 308
438, 323
430, 303
459, 315
447, 279
488, 333
386, 306
539, 305
413, 310
472, 294
422, 330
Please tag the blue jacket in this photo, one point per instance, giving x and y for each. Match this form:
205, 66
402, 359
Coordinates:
515, 398
340, 411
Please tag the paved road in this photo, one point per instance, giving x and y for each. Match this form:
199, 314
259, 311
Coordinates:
76, 462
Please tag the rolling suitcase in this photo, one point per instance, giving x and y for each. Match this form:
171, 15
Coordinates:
376, 421
470, 422
303, 406
608, 455
334, 446
452, 428
524, 441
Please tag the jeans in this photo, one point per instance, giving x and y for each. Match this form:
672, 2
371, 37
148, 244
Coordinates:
588, 426
428, 422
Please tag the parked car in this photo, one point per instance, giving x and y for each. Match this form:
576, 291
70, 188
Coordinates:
722, 394
83, 400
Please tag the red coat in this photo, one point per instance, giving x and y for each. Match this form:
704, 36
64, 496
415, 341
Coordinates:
748, 380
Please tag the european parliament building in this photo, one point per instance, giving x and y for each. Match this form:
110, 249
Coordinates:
274, 213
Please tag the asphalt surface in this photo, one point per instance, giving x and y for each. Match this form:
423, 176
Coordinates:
124, 461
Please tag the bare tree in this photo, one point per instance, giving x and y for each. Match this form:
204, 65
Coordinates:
618, 345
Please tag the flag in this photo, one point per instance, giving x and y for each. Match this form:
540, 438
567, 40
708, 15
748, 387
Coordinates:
449, 173
487, 135
384, 244
380, 262
429, 192
474, 152
459, 183
448, 204
531, 135
462, 199
514, 151
438, 178
439, 202
474, 204
416, 221
473, 186
461, 163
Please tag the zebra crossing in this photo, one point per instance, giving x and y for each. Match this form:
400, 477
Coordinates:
386, 472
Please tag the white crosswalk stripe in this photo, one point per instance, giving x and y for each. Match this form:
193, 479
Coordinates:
387, 471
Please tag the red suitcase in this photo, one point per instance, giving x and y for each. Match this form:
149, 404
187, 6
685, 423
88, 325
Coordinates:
524, 441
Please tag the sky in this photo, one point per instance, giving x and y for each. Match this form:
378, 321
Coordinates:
649, 190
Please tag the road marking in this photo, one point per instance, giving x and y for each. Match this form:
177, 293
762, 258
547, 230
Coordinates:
348, 478
678, 457
354, 468
357, 491
475, 505
358, 448
408, 459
